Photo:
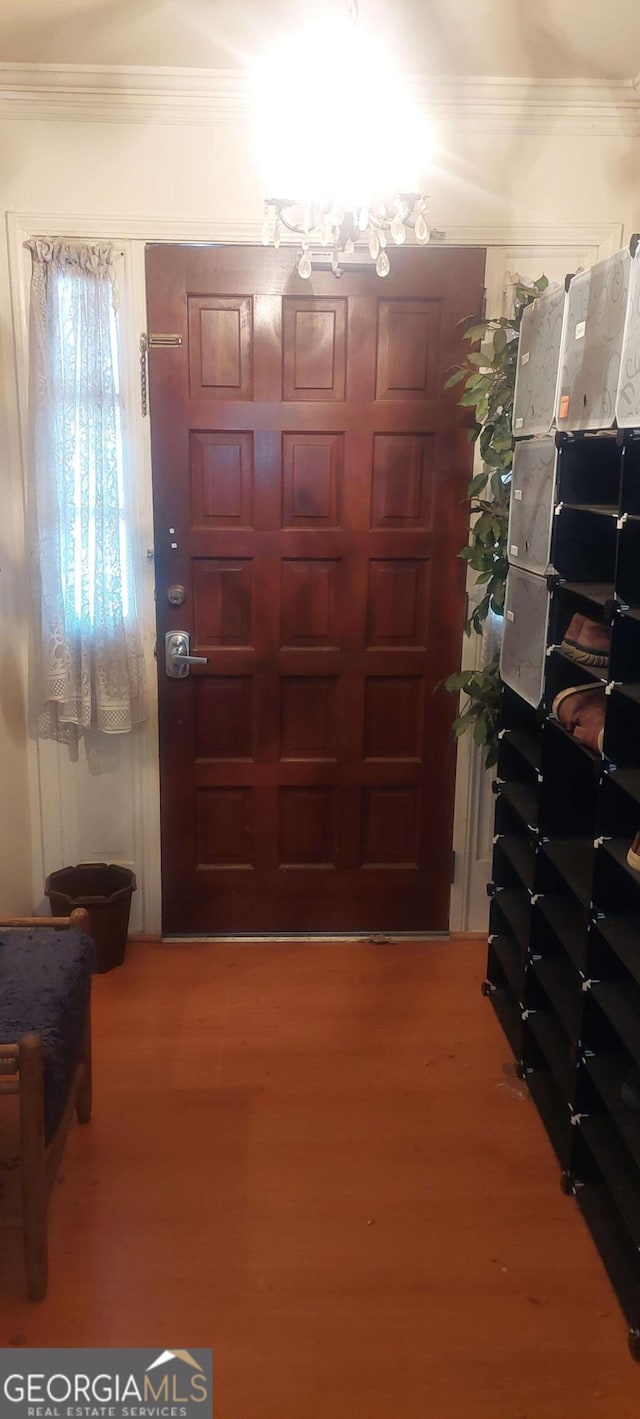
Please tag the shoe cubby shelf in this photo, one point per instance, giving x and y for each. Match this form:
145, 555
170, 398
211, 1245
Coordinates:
563, 970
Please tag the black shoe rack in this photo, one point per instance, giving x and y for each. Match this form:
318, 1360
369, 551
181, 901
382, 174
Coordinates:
563, 970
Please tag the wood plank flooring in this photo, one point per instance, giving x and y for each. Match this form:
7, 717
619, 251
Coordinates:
310, 1157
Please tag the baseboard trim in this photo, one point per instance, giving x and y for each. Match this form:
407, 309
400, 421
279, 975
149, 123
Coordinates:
373, 938
146, 938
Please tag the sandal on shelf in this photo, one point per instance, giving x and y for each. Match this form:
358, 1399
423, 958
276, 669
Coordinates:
633, 855
587, 642
580, 709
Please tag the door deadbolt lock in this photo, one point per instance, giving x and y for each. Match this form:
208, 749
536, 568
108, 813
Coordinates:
177, 659
176, 595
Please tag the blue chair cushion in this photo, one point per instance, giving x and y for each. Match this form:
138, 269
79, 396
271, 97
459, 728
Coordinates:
45, 979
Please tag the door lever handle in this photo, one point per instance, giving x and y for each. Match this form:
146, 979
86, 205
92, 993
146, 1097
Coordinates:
177, 657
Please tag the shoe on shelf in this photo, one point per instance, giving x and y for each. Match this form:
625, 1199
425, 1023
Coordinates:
633, 855
580, 710
630, 1091
587, 642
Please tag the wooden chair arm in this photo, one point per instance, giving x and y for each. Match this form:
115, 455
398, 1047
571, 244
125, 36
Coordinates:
9, 1068
78, 921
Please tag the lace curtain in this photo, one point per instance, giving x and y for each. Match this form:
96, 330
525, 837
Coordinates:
87, 662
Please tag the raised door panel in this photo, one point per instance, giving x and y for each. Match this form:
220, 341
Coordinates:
402, 481
220, 347
221, 479
308, 717
310, 602
223, 601
225, 828
390, 827
393, 717
397, 612
408, 349
314, 355
224, 717
308, 827
312, 472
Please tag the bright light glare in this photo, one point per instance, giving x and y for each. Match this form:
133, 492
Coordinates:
335, 123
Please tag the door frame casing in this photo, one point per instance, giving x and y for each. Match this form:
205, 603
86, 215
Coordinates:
52, 795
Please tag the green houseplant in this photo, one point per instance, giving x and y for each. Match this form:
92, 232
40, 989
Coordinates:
488, 377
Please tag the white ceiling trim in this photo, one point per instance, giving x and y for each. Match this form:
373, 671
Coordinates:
134, 94
605, 236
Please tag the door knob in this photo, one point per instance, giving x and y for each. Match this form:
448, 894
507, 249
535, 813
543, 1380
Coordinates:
177, 659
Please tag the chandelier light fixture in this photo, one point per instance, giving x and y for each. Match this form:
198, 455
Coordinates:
348, 151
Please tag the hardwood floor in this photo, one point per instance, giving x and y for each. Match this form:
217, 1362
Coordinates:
311, 1159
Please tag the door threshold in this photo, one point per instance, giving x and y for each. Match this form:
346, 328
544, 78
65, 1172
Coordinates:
376, 938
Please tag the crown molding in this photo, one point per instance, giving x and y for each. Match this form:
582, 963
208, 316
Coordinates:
137, 94
124, 94
606, 237
597, 108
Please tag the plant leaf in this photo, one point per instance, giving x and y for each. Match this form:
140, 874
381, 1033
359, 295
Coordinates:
479, 331
488, 376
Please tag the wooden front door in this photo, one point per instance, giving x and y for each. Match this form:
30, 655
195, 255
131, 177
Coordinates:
309, 484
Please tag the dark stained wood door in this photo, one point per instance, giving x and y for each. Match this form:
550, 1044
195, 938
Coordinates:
309, 483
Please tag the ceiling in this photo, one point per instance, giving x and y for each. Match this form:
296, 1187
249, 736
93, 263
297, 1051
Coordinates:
542, 39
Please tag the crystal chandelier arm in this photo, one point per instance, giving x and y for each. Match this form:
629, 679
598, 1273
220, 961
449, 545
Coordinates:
281, 204
411, 198
291, 226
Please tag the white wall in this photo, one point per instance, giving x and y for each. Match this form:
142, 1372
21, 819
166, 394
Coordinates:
572, 186
205, 172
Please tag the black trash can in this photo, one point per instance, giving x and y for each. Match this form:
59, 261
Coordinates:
106, 892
